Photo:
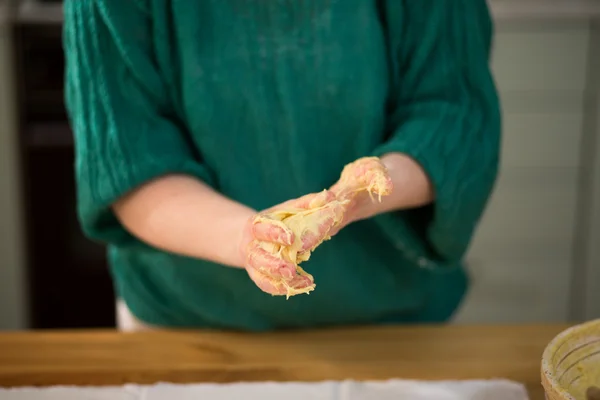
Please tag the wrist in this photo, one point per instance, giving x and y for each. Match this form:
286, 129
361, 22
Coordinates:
243, 237
365, 207
412, 186
229, 235
370, 205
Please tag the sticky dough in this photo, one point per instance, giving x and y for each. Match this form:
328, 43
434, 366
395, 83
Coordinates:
366, 174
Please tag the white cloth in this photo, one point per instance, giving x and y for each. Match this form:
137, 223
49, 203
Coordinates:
127, 322
329, 390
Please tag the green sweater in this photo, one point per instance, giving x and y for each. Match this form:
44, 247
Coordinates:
266, 101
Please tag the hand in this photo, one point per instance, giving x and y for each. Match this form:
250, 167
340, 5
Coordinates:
272, 249
358, 183
278, 239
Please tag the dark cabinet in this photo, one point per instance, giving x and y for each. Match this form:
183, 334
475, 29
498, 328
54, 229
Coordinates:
70, 285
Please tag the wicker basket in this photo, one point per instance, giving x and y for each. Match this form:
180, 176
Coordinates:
571, 362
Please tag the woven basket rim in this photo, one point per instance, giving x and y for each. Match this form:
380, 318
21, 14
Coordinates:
550, 385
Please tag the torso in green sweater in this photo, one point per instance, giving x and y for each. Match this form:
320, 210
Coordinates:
267, 101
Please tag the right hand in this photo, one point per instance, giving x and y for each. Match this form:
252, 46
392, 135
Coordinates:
265, 268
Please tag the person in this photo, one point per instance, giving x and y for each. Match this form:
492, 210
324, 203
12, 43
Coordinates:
190, 117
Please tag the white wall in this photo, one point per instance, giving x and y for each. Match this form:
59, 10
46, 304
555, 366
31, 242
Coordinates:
586, 286
528, 260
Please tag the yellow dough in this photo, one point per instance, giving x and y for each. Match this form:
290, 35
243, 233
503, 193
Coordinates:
366, 174
301, 222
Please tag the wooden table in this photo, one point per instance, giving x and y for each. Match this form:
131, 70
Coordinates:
110, 358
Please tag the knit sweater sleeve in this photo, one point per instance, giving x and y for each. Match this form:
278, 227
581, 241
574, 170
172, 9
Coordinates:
125, 128
445, 114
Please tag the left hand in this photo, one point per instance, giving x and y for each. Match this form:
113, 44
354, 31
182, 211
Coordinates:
359, 183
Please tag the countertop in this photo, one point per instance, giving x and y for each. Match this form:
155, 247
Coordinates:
427, 353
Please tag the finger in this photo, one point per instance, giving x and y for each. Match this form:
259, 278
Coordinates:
300, 282
378, 181
320, 224
272, 286
265, 283
367, 173
362, 167
269, 232
269, 264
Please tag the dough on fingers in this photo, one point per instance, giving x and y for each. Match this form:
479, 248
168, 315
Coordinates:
308, 223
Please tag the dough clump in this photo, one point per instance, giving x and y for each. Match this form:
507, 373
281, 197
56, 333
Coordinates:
365, 174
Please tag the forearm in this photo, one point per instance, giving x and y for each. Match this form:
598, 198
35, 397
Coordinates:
412, 187
182, 215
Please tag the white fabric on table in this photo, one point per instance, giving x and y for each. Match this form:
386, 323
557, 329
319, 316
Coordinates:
328, 390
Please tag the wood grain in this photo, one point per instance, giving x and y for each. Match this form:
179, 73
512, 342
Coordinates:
429, 353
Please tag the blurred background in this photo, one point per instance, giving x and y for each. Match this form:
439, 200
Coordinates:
536, 256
